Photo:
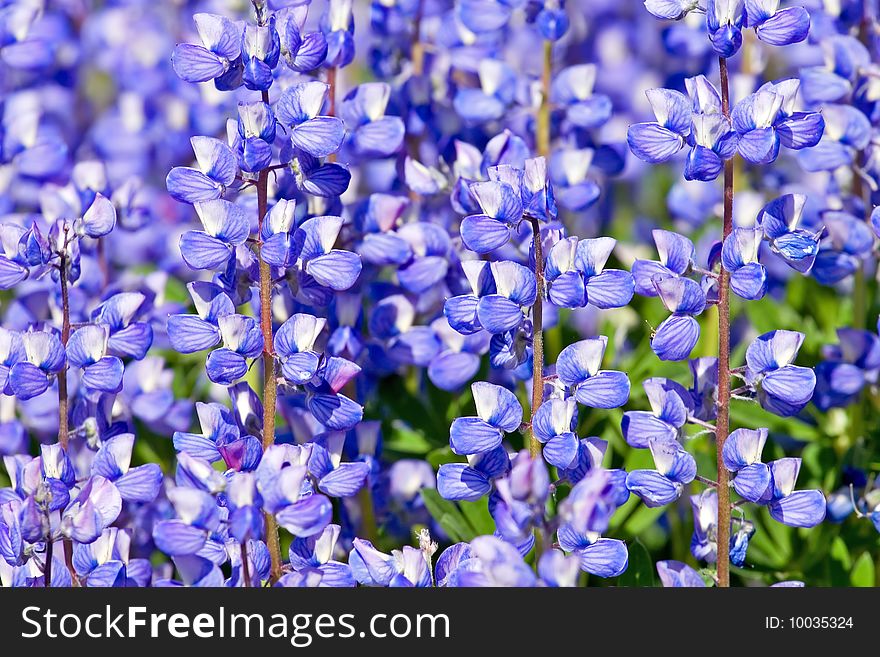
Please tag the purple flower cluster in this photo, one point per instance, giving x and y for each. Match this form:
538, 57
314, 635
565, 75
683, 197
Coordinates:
219, 276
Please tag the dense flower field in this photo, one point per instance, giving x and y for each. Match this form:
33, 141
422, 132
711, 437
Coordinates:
439, 293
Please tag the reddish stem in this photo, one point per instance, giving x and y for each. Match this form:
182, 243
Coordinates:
722, 423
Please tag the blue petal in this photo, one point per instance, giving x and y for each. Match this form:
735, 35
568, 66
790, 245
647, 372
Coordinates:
201, 251
196, 445
11, 273
336, 412
196, 64
27, 381
759, 146
277, 250
497, 406
451, 370
681, 295
668, 9
644, 272
579, 361
310, 54
498, 314
676, 337
225, 366
306, 517
471, 435
613, 288
607, 389
140, 484
743, 447
175, 537
672, 109
381, 137
653, 488
190, 185
319, 136
607, 557
190, 333
385, 249
132, 341
498, 200
676, 251
653, 143
458, 481
100, 218
337, 270
483, 234
346, 480
300, 368
567, 290
803, 508
561, 451
801, 129
639, 426
423, 274
474, 106
326, 181
791, 384
790, 25
104, 376
461, 313
749, 281
753, 483
702, 164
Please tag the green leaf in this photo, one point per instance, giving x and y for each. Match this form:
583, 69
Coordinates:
640, 571
477, 514
839, 563
643, 518
407, 440
863, 571
442, 455
448, 516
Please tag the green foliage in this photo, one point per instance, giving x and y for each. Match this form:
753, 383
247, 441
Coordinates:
461, 521
640, 571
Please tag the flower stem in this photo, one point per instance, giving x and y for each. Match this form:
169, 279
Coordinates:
418, 48
269, 381
542, 131
245, 566
722, 422
537, 337
47, 567
368, 514
63, 401
542, 144
63, 410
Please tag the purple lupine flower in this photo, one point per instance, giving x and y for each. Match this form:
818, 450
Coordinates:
217, 59
43, 357
225, 227
675, 469
498, 412
766, 120
87, 350
676, 337
217, 169
299, 109
578, 367
782, 387
576, 275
